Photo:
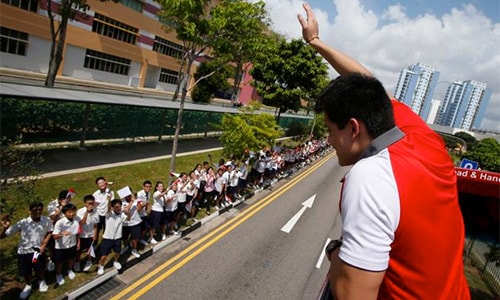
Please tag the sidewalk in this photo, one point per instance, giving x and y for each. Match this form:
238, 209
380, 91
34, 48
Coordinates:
63, 161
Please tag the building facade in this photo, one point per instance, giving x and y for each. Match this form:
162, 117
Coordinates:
416, 86
464, 105
122, 43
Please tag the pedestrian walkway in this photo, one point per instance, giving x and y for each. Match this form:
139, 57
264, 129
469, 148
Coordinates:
63, 161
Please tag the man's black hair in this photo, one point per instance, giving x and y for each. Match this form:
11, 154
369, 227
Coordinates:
116, 201
146, 182
99, 178
88, 198
36, 204
67, 207
360, 97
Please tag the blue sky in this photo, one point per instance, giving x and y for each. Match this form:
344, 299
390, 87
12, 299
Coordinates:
461, 39
490, 8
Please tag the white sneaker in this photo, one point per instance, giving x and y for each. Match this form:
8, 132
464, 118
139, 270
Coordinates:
25, 292
154, 242
71, 275
136, 253
177, 232
145, 243
87, 267
117, 265
60, 280
76, 267
100, 270
42, 286
164, 237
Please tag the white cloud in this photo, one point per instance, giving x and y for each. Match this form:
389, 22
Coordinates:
462, 44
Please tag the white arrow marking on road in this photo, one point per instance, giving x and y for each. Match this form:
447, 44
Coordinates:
289, 225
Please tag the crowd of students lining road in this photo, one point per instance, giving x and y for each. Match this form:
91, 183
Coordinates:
74, 239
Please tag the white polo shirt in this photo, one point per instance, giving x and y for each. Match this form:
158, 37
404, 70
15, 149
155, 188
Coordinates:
135, 217
88, 226
101, 198
72, 226
114, 225
32, 233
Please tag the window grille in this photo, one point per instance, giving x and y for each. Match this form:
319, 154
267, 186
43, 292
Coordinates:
13, 41
106, 62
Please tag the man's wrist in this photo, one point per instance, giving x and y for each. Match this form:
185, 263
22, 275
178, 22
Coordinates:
312, 39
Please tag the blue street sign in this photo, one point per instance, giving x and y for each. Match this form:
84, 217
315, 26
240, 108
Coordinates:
469, 164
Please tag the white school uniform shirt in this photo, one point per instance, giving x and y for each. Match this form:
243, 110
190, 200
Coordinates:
219, 182
32, 233
101, 198
171, 205
158, 202
64, 224
88, 226
191, 187
234, 176
135, 217
181, 191
143, 195
114, 225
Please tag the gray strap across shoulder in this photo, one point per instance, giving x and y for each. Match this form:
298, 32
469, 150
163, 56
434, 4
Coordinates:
383, 141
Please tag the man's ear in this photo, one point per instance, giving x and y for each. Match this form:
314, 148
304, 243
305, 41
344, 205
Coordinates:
355, 127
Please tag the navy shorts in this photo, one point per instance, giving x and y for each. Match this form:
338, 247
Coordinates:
181, 207
85, 244
169, 216
26, 266
107, 245
156, 218
145, 223
64, 254
133, 231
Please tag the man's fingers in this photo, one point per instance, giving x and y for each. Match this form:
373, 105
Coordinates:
307, 8
302, 21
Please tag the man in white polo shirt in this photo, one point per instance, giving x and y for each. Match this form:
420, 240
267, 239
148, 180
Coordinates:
36, 231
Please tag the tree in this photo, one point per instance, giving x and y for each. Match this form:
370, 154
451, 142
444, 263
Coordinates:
248, 130
217, 73
65, 10
201, 31
287, 73
487, 154
243, 35
18, 172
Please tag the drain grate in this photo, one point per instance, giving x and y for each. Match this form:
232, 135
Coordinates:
101, 290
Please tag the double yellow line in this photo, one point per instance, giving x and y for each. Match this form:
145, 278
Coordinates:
215, 236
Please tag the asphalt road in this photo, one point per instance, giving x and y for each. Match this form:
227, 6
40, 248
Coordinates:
244, 254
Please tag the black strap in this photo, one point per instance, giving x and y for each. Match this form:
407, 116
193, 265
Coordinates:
383, 141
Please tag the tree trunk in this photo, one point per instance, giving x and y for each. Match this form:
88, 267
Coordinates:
58, 39
236, 85
85, 126
179, 117
174, 98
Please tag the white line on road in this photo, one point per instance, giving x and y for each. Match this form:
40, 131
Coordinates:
322, 255
307, 204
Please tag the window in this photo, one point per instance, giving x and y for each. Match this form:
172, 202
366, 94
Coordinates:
106, 62
114, 29
31, 5
168, 76
133, 4
13, 41
167, 47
